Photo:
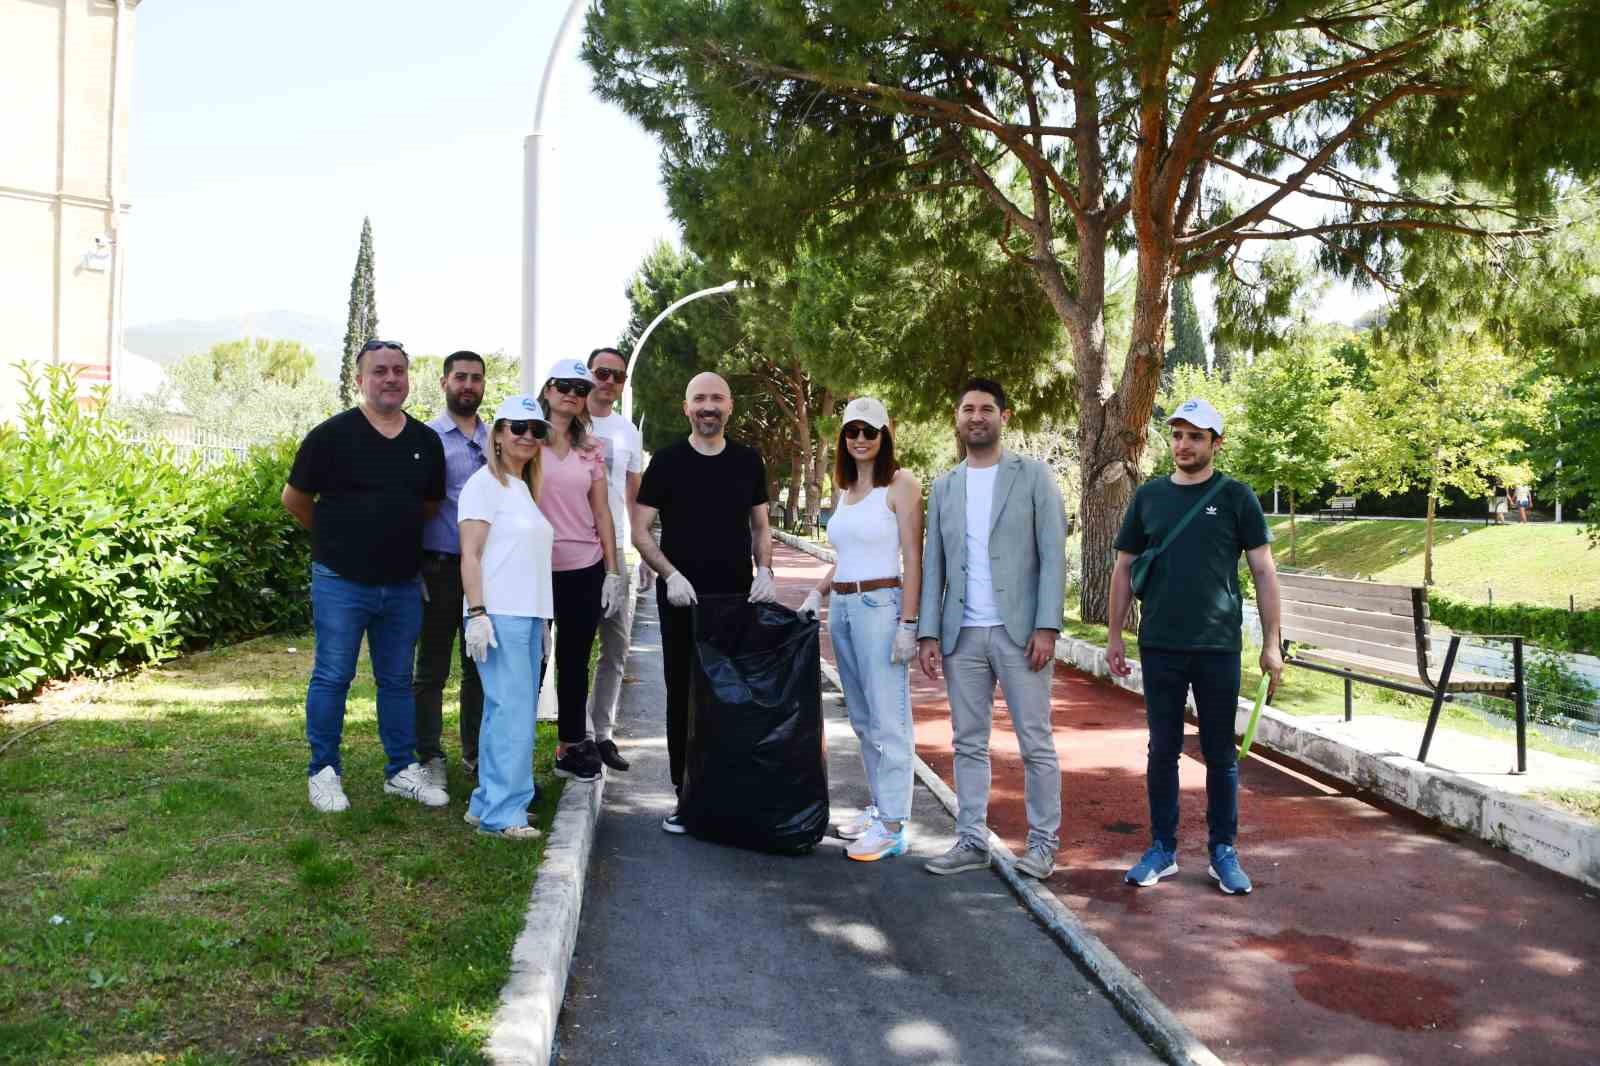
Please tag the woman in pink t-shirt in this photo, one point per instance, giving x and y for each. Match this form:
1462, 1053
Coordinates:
586, 580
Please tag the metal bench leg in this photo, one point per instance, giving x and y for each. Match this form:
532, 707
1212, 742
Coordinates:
1522, 706
1438, 697
1349, 711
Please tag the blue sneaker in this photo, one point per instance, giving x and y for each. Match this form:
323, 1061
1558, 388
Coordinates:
1157, 863
877, 843
1225, 868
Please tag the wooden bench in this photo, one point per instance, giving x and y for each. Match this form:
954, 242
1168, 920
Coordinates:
1379, 635
1340, 507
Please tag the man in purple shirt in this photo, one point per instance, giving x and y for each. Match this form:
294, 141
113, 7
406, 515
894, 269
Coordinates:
464, 437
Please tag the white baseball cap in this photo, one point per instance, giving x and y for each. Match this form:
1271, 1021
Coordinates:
1197, 413
865, 409
570, 370
520, 408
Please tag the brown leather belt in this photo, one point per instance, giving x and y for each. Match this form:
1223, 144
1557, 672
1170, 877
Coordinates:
848, 587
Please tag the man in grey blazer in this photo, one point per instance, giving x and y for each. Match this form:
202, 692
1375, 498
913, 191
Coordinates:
994, 570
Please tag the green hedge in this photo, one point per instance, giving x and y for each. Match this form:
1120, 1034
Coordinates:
114, 554
1551, 627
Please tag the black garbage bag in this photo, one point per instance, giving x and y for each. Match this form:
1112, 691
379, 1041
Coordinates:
756, 770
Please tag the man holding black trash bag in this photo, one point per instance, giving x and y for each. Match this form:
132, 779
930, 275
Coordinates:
711, 495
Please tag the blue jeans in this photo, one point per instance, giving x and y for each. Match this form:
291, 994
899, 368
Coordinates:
510, 676
1168, 676
877, 693
390, 616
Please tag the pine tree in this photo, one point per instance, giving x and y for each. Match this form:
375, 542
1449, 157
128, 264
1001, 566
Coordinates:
1188, 345
362, 323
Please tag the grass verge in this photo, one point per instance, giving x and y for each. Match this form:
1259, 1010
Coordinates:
171, 897
1584, 802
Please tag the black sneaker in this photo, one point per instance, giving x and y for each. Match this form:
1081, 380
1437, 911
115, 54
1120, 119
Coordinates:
578, 762
673, 823
609, 754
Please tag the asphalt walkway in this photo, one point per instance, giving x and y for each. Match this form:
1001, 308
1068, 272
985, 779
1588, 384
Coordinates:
1372, 937
693, 953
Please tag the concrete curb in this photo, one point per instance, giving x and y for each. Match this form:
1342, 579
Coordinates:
524, 1027
1558, 841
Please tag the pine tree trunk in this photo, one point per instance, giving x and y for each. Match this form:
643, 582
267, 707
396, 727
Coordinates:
1427, 542
797, 477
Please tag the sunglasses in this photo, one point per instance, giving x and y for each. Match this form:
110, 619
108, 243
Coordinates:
856, 429
605, 373
569, 388
372, 346
528, 427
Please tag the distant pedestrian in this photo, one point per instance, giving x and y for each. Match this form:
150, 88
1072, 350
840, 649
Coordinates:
364, 482
876, 532
711, 495
1524, 501
624, 460
993, 582
1199, 521
506, 546
464, 437
588, 581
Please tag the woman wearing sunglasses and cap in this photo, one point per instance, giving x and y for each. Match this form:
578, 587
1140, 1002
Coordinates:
587, 581
505, 574
876, 533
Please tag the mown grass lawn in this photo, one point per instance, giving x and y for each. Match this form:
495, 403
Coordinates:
170, 895
1537, 563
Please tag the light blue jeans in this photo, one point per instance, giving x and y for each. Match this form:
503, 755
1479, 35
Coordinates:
510, 676
877, 693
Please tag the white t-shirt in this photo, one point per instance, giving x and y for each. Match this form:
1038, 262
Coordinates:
624, 451
980, 608
516, 557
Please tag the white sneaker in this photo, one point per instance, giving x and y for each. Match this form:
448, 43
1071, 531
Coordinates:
433, 771
857, 827
327, 792
413, 784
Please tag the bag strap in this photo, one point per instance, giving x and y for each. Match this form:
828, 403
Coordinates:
1220, 479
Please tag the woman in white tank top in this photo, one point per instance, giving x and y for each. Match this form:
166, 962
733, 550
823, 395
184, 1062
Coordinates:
876, 533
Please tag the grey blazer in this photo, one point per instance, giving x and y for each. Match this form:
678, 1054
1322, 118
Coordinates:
1027, 551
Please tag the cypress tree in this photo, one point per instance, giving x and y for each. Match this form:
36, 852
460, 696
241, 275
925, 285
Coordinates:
362, 323
1188, 345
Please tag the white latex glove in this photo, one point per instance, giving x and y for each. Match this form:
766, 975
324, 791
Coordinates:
613, 594
480, 637
763, 589
679, 592
905, 644
812, 607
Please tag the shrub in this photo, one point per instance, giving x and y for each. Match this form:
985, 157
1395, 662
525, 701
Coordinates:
1554, 688
112, 555
1550, 626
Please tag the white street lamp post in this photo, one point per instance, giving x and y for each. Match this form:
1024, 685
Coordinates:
633, 360
531, 145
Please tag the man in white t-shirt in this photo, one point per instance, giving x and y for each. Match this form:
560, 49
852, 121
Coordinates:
624, 449
993, 581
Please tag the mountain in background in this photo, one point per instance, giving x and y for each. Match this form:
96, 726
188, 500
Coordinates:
168, 342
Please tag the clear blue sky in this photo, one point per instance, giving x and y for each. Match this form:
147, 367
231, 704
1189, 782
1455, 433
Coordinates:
263, 132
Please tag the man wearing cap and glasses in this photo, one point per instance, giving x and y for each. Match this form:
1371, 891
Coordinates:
624, 459
464, 437
1191, 527
364, 482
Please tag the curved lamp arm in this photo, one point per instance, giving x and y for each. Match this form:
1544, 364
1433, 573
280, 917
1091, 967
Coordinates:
627, 390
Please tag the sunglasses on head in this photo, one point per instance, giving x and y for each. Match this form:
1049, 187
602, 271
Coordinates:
605, 373
525, 427
372, 346
571, 388
858, 429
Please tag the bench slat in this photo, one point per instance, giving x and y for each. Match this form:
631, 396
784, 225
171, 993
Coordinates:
1339, 592
1403, 655
1459, 681
1317, 614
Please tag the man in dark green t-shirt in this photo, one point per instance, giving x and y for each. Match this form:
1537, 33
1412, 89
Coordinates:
1189, 632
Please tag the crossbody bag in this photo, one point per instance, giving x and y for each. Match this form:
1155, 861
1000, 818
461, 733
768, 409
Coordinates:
1146, 559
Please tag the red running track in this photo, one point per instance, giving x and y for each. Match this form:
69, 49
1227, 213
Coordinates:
1373, 936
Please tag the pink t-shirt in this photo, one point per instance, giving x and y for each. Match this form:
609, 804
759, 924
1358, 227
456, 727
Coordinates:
564, 499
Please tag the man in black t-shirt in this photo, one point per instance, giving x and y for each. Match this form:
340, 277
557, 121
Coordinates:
363, 482
1189, 632
711, 495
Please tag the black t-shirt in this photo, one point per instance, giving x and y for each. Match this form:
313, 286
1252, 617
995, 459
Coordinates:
1191, 598
367, 523
705, 503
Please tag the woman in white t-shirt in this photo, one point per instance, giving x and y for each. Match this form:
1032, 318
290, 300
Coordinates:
876, 532
505, 573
